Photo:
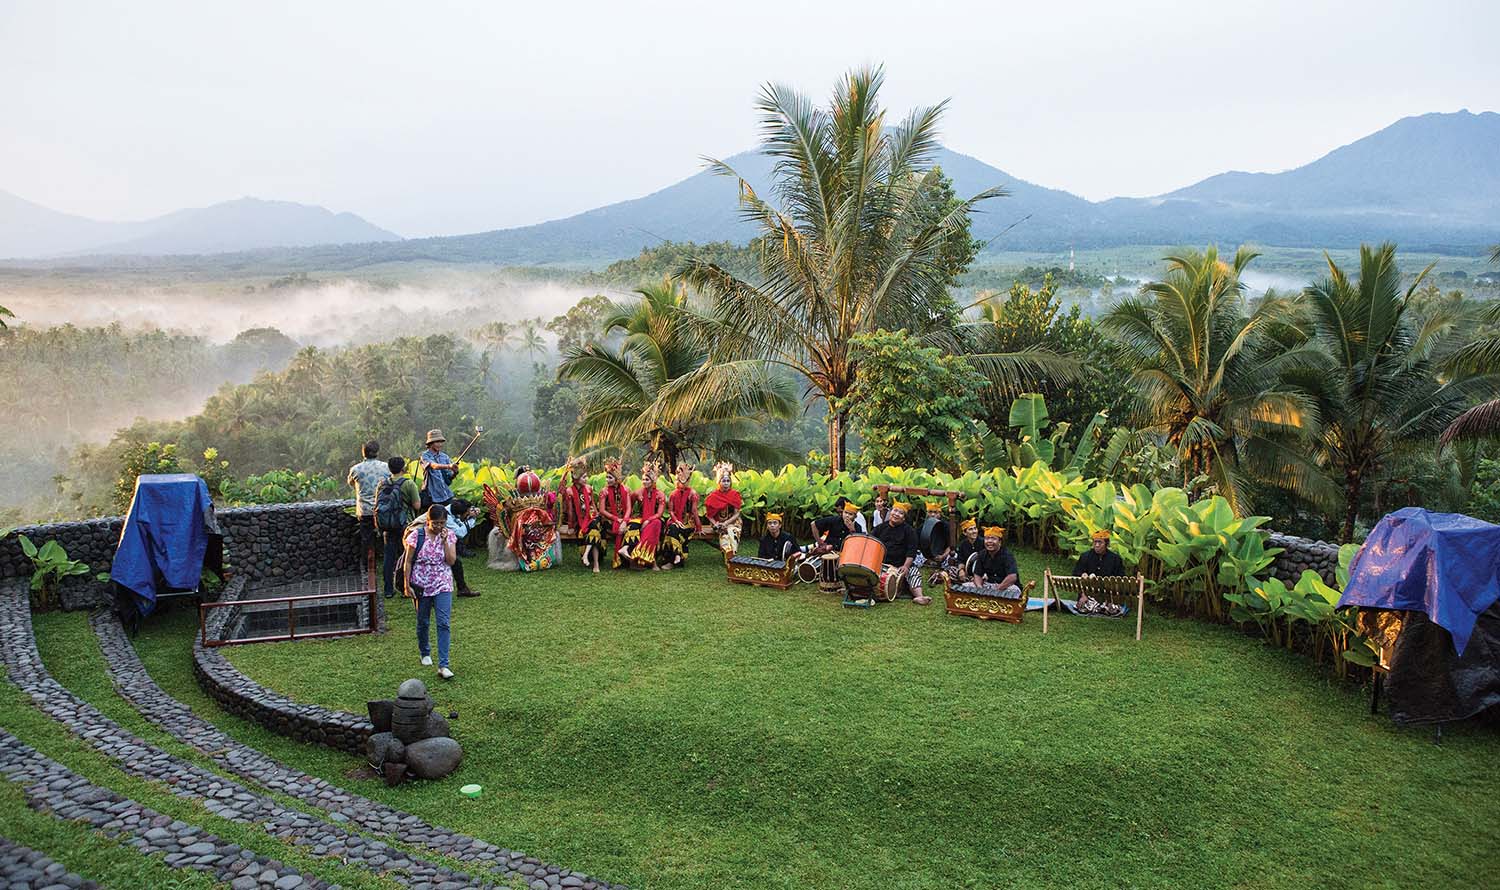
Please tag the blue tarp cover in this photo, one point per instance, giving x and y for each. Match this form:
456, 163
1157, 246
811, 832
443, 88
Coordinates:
165, 536
1446, 565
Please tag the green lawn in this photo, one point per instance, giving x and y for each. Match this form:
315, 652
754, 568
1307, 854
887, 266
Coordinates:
673, 731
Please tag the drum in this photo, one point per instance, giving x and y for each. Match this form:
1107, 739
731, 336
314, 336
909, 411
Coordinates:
860, 561
828, 574
807, 571
891, 579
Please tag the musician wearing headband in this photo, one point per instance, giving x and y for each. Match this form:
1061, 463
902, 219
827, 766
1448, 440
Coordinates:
438, 470
955, 566
994, 566
830, 531
777, 542
1099, 559
901, 549
614, 509
723, 508
683, 520
653, 507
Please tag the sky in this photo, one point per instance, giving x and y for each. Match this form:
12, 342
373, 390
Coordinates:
442, 118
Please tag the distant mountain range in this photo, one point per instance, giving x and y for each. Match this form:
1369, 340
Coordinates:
28, 229
1429, 182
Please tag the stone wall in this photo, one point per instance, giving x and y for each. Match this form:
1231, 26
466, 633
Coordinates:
270, 544
245, 698
1301, 554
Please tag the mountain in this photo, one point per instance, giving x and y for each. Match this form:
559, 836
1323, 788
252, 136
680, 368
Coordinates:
29, 229
1430, 182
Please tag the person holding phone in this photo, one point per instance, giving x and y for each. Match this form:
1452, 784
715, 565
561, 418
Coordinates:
430, 552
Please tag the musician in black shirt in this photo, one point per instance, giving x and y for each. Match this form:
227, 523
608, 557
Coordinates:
994, 566
1099, 559
830, 531
900, 541
776, 543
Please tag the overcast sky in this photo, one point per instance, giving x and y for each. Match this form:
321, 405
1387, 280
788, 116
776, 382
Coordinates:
438, 118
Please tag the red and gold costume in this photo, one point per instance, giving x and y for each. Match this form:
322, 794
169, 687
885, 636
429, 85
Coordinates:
683, 520
723, 508
615, 509
653, 506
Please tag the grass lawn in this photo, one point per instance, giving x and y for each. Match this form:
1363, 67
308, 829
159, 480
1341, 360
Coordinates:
673, 731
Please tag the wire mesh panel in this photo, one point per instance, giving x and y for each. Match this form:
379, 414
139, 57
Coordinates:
319, 608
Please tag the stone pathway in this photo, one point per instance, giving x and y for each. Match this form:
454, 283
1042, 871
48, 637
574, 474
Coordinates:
172, 716
52, 788
22, 868
221, 796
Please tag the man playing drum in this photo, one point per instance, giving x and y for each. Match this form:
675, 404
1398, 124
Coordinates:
900, 541
830, 531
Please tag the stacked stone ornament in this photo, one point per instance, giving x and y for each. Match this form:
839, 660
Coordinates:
410, 740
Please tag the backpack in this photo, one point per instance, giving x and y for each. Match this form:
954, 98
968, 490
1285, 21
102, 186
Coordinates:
402, 570
392, 512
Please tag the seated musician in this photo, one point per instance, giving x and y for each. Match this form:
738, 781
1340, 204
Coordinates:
777, 542
956, 567
936, 550
1099, 559
995, 567
830, 531
722, 506
900, 541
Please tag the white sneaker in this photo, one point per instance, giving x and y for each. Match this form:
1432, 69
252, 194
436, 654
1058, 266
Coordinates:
427, 661
445, 673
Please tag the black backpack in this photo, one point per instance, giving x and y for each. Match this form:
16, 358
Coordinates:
392, 512
402, 570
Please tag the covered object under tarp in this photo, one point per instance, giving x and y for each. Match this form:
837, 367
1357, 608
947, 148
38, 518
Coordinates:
1440, 572
169, 533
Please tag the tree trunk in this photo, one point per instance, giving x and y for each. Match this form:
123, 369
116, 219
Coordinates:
836, 436
1353, 482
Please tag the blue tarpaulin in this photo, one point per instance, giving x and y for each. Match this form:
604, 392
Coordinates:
1445, 565
165, 537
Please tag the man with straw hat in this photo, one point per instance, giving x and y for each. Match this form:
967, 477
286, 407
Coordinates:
438, 470
994, 566
1099, 560
901, 549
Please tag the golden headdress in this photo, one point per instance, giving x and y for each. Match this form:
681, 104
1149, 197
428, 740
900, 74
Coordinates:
994, 531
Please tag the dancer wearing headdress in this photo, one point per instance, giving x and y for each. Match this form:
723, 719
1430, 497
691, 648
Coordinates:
683, 520
653, 508
723, 508
576, 510
614, 509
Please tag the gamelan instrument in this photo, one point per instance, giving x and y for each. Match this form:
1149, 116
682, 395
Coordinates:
860, 561
986, 601
807, 570
777, 573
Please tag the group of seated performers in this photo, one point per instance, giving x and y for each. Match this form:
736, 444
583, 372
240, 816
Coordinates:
642, 527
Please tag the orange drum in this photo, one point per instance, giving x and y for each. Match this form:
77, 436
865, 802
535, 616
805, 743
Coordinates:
860, 560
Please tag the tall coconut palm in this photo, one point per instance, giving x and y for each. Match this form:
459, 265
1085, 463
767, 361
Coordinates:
861, 236
1380, 388
660, 388
1481, 355
1208, 376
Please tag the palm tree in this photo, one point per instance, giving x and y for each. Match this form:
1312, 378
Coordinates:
660, 388
1480, 356
529, 338
863, 238
1207, 376
4, 314
1379, 388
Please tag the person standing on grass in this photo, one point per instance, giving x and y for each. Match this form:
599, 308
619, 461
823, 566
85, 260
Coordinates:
438, 470
461, 518
431, 550
366, 477
396, 504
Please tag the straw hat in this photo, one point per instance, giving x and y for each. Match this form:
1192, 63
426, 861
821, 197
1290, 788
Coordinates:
435, 436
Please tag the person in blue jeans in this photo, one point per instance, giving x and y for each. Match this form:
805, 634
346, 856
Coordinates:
438, 470
430, 551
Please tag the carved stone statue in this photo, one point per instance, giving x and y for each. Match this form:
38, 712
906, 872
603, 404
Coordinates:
409, 738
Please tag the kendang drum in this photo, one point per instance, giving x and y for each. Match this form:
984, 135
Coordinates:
828, 574
860, 561
891, 579
807, 570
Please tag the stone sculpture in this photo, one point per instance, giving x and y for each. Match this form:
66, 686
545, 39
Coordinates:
410, 740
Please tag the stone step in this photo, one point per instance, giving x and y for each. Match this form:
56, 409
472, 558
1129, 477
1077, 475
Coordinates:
221, 796
135, 685
52, 788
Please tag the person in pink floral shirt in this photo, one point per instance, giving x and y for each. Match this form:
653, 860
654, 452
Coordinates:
430, 552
